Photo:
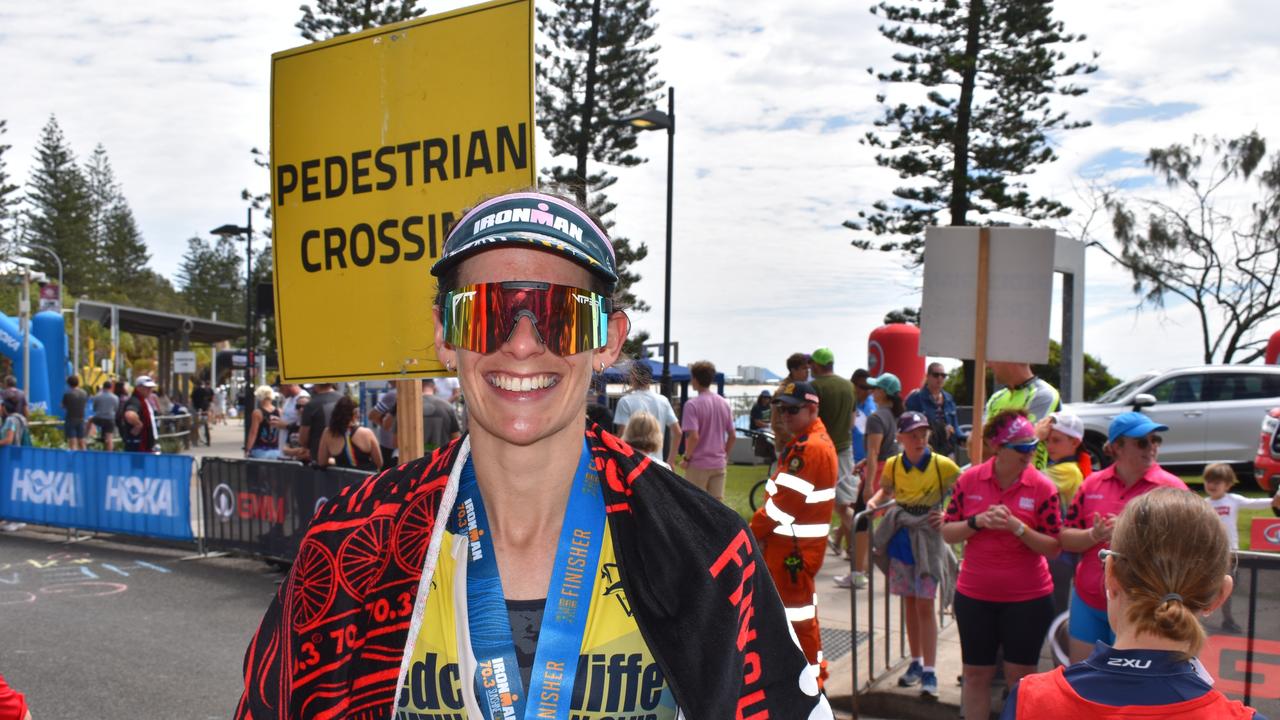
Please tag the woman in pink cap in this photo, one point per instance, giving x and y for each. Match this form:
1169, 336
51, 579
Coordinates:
1007, 514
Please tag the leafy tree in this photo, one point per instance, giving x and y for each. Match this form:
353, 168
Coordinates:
1097, 378
150, 289
59, 212
262, 275
261, 201
907, 315
339, 17
596, 67
211, 280
8, 200
1197, 246
988, 70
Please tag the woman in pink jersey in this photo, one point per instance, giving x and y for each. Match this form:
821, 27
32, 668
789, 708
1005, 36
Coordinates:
1133, 443
1168, 566
1007, 514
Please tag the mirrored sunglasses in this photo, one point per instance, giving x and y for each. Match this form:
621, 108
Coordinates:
483, 316
1024, 447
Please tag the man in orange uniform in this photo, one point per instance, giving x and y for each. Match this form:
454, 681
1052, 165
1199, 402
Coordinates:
792, 525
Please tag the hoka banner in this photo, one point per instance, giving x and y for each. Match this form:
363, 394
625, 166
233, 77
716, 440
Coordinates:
129, 493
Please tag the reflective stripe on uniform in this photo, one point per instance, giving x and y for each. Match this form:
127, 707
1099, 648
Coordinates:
815, 530
801, 486
820, 496
804, 612
776, 513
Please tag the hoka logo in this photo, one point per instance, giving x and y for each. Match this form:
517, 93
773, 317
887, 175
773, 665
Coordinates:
146, 496
43, 487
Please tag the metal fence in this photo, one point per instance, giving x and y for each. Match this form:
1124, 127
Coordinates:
882, 629
1247, 666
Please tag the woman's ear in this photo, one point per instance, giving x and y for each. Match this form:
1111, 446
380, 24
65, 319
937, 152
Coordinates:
1228, 584
1109, 582
619, 329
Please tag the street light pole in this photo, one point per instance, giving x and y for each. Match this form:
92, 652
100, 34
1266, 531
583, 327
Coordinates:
666, 303
248, 302
57, 260
249, 360
654, 119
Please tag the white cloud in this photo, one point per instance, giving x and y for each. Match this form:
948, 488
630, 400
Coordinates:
772, 100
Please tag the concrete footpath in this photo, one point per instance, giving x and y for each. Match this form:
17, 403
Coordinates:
842, 646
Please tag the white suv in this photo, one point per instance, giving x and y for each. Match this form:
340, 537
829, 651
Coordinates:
1212, 411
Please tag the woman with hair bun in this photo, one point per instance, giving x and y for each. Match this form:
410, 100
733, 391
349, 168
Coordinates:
1168, 566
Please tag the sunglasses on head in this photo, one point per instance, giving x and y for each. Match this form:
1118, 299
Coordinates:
1023, 447
789, 409
483, 316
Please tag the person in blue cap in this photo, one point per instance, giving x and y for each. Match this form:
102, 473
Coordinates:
1133, 442
537, 566
1168, 566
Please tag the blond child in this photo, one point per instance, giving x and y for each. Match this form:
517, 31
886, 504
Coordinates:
643, 433
1065, 433
1218, 479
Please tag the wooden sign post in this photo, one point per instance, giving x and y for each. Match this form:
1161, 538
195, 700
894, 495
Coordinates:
977, 446
409, 419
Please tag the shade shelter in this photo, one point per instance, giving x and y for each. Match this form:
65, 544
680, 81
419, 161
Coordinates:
174, 331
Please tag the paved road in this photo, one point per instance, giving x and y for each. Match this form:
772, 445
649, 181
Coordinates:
108, 630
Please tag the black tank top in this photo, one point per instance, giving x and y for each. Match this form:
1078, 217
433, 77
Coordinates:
268, 436
352, 456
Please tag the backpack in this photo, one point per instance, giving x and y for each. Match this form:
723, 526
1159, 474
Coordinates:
23, 431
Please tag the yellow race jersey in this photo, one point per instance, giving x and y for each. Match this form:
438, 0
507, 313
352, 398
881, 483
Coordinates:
616, 675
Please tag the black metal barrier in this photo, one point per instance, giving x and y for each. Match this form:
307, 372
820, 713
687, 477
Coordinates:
263, 507
1247, 664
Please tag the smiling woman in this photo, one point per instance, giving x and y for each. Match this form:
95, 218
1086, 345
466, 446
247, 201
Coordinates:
537, 543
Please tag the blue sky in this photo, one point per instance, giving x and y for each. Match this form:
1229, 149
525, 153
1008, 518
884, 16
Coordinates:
772, 100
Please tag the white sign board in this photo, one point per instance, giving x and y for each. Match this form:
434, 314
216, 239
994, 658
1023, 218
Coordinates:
1019, 295
184, 361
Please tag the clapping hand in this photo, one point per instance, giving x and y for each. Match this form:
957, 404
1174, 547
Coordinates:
1102, 527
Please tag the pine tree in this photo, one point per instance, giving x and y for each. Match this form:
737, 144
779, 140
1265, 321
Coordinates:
339, 17
210, 279
103, 191
598, 67
990, 69
59, 212
123, 252
8, 201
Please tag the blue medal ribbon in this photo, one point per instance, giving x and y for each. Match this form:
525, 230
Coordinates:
497, 681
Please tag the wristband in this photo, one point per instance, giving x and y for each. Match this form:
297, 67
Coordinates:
1022, 530
973, 522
